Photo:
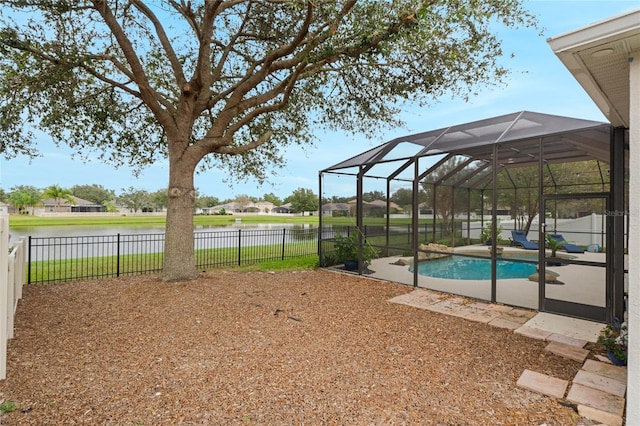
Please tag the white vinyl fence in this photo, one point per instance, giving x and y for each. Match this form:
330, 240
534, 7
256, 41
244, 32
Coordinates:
12, 277
583, 231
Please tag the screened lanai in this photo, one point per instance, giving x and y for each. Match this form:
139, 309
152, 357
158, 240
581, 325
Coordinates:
450, 198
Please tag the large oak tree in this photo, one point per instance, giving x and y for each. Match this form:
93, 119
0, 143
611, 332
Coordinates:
229, 83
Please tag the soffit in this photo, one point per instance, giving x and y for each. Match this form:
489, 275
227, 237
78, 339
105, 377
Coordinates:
598, 56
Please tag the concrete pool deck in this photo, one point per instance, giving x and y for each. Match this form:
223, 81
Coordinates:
580, 284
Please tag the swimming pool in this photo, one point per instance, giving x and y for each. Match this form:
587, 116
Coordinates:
466, 268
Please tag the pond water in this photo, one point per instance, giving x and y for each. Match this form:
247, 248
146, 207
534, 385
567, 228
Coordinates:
462, 268
65, 242
91, 230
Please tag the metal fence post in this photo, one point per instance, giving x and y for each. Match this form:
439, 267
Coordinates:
284, 233
29, 261
239, 245
118, 255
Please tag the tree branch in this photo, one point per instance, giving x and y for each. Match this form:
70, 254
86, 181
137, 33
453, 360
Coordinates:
188, 15
146, 91
236, 150
252, 78
164, 41
213, 142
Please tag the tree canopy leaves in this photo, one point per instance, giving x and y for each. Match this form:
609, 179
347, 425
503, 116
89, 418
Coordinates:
229, 83
303, 200
95, 193
245, 78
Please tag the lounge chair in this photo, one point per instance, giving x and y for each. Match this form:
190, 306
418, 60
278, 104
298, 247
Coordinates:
568, 247
520, 239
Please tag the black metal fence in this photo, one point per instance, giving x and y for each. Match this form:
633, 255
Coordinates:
53, 259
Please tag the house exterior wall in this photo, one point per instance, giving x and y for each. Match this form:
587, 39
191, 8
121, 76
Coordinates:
633, 371
50, 208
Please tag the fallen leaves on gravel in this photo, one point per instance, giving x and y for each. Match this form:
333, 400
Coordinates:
289, 348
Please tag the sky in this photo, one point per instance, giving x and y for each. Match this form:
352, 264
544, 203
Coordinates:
538, 82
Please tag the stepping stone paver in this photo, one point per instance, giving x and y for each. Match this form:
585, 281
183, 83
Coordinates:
523, 313
595, 398
567, 351
554, 337
479, 305
448, 307
501, 308
503, 323
599, 382
603, 359
541, 383
534, 333
479, 315
417, 299
608, 370
599, 415
516, 315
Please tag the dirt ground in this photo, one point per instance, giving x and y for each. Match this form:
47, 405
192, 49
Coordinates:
291, 348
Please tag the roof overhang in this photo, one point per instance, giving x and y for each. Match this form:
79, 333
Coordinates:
598, 56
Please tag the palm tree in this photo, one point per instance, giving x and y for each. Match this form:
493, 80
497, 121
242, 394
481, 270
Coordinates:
58, 193
553, 244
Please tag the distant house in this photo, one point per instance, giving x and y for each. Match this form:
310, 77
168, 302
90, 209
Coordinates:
205, 210
263, 206
380, 204
375, 208
425, 208
336, 209
232, 207
78, 205
285, 208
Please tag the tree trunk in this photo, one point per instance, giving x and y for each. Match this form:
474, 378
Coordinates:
179, 257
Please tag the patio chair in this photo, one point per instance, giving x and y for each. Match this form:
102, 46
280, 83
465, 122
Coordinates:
568, 247
520, 239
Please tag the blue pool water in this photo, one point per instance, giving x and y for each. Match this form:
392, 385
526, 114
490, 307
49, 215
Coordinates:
464, 268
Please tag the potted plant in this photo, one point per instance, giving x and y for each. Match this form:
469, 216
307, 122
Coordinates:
486, 236
614, 339
553, 245
347, 251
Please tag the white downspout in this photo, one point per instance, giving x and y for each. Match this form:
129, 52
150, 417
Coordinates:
633, 362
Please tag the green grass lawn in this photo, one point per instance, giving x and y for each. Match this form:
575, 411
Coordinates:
123, 220
26, 220
296, 255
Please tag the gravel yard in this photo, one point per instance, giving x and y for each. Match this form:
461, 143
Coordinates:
286, 348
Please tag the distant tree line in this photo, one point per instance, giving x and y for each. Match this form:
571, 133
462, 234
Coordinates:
523, 203
24, 198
